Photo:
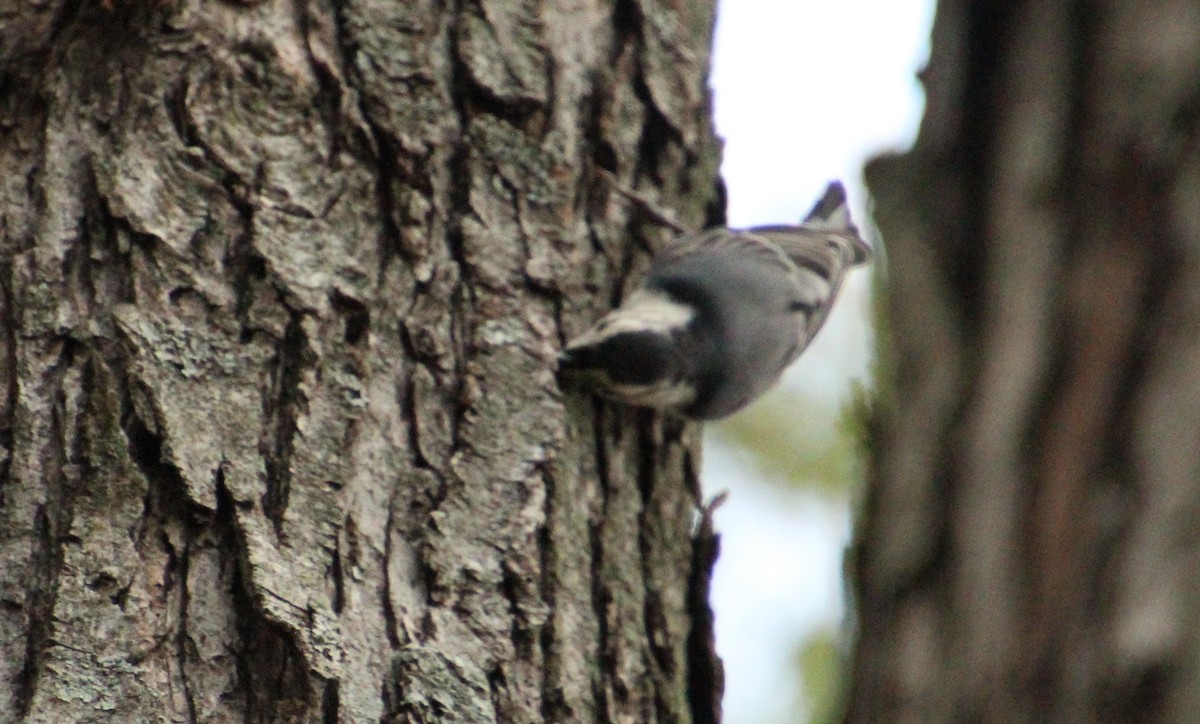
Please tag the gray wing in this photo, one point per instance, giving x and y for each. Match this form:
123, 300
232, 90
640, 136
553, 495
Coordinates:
724, 241
824, 247
754, 303
821, 260
769, 288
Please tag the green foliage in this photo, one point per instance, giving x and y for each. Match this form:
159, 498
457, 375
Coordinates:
792, 440
823, 668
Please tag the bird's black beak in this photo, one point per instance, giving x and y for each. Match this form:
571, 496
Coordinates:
568, 361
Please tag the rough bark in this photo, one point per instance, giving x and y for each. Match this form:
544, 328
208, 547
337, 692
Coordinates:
1028, 551
281, 286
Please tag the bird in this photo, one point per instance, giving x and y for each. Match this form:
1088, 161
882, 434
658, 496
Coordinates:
720, 314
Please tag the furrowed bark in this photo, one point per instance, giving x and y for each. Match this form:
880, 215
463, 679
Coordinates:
282, 285
1025, 552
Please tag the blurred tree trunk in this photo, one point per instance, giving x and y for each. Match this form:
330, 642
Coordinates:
281, 287
1029, 549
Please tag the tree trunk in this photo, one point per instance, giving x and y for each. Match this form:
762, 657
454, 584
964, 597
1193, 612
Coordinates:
1028, 548
282, 286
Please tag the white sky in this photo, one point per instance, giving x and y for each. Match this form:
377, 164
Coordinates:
805, 92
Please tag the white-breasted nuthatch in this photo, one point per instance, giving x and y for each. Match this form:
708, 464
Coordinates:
721, 314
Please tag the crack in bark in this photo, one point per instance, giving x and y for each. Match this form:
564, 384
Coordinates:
658, 134
180, 563
409, 405
338, 597
52, 522
386, 172
329, 80
330, 702
380, 145
652, 616
600, 592
391, 623
166, 500
988, 31
68, 12
496, 683
166, 492
553, 706
271, 669
357, 319
294, 356
245, 266
38, 601
705, 671
8, 370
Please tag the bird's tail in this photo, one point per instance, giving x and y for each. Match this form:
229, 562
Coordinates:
831, 213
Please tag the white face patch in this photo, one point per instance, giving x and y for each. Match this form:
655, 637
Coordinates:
661, 396
644, 310
656, 307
